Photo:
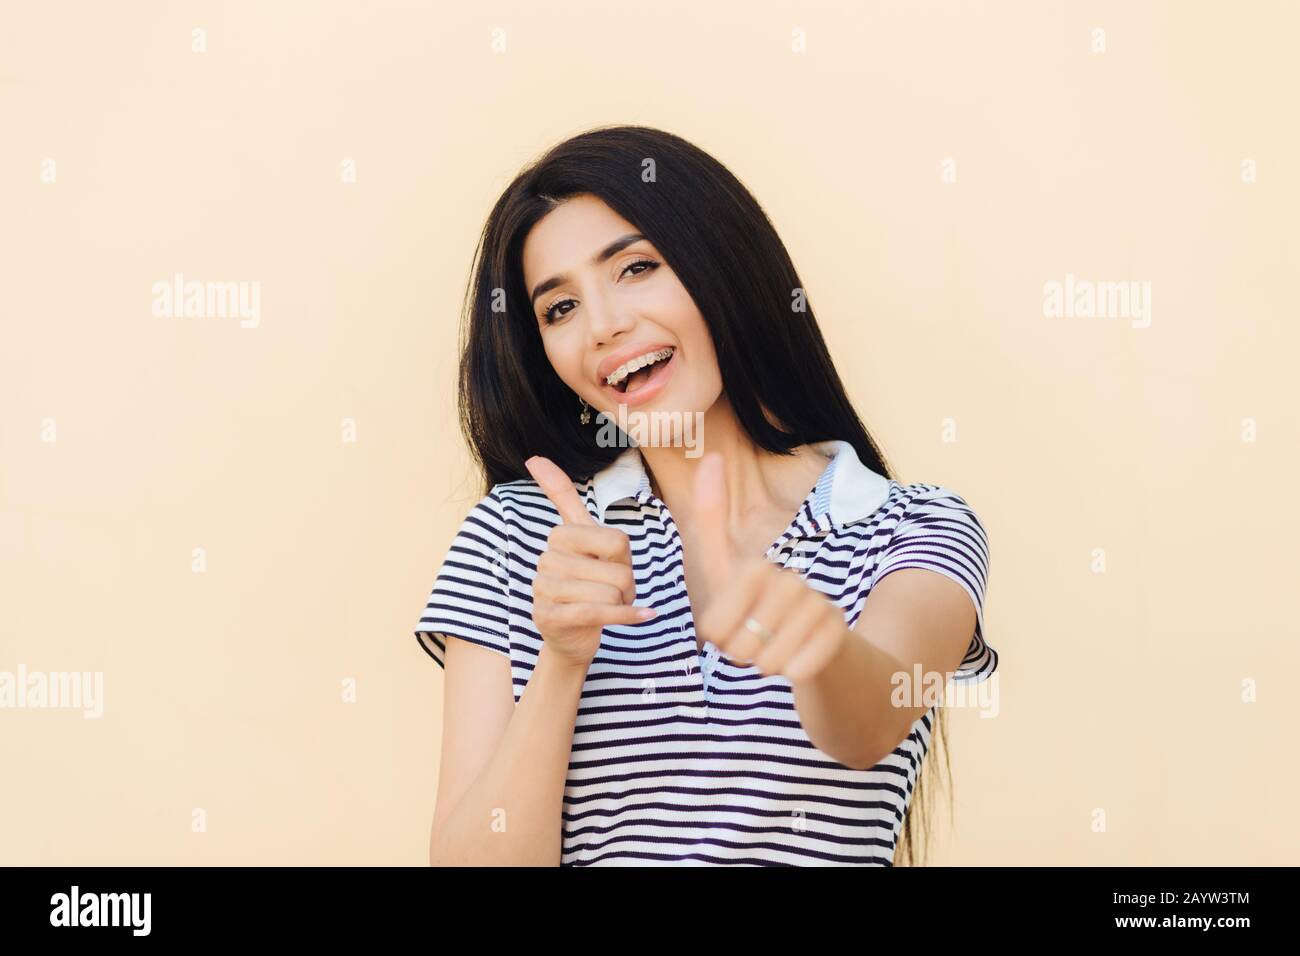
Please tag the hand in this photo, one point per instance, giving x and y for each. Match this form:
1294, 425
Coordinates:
808, 629
584, 578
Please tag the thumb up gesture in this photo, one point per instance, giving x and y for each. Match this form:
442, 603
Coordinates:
758, 612
584, 578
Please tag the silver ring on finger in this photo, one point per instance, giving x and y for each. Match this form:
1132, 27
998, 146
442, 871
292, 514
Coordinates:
758, 630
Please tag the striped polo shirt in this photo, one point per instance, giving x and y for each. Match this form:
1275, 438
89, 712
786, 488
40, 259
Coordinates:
680, 755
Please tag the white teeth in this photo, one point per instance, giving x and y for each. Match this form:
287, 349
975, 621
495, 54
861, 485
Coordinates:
640, 362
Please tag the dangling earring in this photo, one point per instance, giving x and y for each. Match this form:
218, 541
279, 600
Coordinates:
585, 417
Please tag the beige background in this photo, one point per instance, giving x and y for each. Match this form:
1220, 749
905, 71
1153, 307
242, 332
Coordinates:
1121, 691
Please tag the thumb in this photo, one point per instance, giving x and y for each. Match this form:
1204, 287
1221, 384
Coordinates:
711, 518
559, 489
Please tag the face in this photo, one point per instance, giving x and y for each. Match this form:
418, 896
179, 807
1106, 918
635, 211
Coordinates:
603, 299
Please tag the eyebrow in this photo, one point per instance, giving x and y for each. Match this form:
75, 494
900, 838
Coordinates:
546, 285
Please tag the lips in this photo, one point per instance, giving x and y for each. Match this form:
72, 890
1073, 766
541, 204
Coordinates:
660, 374
612, 361
624, 376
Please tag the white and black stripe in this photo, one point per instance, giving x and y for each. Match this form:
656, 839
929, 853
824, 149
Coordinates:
687, 758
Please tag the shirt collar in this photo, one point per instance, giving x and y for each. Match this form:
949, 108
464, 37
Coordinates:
847, 491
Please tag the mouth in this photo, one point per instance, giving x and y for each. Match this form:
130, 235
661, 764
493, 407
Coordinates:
641, 379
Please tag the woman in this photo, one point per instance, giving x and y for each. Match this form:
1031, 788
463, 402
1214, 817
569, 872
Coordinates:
663, 656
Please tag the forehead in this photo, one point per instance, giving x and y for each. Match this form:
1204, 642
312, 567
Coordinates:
566, 238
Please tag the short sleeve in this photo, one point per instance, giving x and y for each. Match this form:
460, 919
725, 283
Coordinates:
469, 596
940, 531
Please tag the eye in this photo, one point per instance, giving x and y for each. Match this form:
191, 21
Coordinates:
549, 315
650, 264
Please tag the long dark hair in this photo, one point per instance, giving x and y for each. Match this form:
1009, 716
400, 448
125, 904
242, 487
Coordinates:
727, 255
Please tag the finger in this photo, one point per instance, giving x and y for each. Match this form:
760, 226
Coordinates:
597, 541
560, 565
722, 618
599, 615
778, 598
818, 649
794, 630
571, 591
558, 487
711, 518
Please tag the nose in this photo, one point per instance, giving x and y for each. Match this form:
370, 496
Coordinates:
607, 320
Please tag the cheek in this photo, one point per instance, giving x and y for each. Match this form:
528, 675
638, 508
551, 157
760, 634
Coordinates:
704, 356
566, 360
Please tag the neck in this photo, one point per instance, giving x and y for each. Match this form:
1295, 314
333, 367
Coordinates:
758, 481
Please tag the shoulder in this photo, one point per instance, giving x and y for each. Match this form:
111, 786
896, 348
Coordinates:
523, 503
908, 504
922, 500
937, 522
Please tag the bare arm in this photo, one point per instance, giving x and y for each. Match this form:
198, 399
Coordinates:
503, 770
913, 617
501, 790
